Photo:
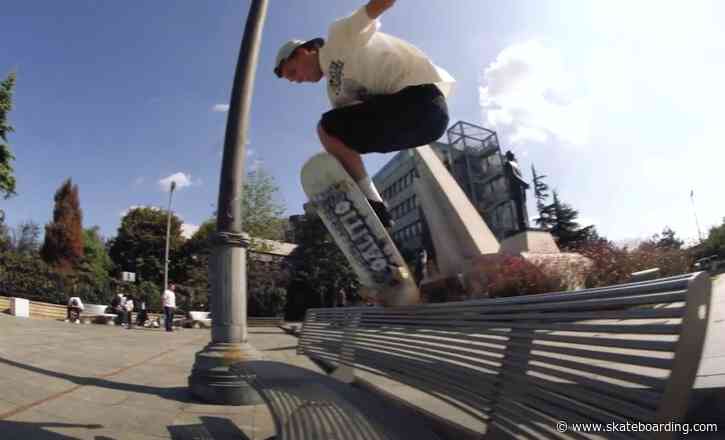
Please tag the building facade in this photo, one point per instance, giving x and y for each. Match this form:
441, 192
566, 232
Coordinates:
473, 156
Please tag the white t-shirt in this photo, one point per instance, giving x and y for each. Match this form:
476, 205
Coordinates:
169, 298
75, 301
359, 61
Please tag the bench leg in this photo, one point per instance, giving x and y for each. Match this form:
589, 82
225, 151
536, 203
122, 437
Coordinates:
345, 372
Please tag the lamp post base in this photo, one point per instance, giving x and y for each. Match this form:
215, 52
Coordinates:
212, 381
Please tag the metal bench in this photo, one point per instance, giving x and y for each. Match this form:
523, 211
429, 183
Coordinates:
520, 365
98, 318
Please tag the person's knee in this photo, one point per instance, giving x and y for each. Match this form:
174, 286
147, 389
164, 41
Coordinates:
327, 141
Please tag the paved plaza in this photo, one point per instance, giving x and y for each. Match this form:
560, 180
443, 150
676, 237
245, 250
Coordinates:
67, 381
97, 382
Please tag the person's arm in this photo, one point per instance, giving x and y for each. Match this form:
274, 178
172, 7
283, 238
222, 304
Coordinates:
375, 8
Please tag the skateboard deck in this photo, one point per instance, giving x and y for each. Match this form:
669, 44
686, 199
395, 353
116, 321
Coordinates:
356, 229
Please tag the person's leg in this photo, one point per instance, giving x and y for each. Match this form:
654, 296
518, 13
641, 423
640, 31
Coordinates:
409, 118
168, 318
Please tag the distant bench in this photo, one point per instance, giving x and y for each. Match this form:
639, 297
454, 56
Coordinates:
517, 366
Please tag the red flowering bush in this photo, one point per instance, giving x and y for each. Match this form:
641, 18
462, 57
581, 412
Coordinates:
614, 265
512, 276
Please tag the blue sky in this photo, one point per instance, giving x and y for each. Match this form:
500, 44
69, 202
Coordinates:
617, 102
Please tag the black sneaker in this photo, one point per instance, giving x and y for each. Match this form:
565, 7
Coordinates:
381, 210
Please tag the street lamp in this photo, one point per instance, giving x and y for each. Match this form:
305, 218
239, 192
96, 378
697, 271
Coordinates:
168, 232
211, 377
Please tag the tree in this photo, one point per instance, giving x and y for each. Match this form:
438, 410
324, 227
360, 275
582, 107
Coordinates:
26, 238
565, 229
715, 242
321, 270
6, 242
194, 255
261, 214
140, 244
7, 177
544, 221
63, 246
667, 240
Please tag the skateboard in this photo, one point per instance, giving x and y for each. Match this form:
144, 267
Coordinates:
358, 232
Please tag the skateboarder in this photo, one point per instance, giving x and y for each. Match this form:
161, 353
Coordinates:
386, 94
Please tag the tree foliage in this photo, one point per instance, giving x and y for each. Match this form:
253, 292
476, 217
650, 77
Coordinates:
63, 246
615, 265
541, 194
140, 245
714, 244
261, 213
667, 240
321, 270
7, 174
26, 238
564, 227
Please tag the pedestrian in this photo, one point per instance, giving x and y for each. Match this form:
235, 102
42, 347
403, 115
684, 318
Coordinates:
142, 308
117, 306
421, 264
75, 307
128, 305
386, 94
169, 303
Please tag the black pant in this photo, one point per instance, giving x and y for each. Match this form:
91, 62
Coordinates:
169, 318
121, 316
74, 313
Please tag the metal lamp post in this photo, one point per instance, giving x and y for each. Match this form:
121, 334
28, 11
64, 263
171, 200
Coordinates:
168, 232
211, 379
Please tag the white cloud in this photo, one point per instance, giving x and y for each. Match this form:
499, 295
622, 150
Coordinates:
132, 207
220, 108
527, 94
182, 181
187, 229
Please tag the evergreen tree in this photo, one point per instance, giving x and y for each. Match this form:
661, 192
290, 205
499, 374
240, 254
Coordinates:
7, 177
63, 246
565, 229
544, 221
26, 238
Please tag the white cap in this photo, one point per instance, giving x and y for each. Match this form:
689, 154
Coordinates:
289, 47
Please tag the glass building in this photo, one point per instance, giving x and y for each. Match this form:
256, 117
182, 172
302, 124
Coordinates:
473, 156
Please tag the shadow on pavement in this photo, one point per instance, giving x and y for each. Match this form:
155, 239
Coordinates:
210, 428
178, 394
291, 347
38, 430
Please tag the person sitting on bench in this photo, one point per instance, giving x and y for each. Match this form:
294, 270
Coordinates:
75, 307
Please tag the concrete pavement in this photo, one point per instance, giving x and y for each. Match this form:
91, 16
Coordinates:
61, 381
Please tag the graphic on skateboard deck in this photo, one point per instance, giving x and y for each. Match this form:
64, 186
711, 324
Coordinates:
356, 229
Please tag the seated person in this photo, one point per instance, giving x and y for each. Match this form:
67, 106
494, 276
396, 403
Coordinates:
75, 307
118, 307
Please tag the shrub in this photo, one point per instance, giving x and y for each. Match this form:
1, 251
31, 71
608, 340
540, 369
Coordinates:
614, 265
512, 276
